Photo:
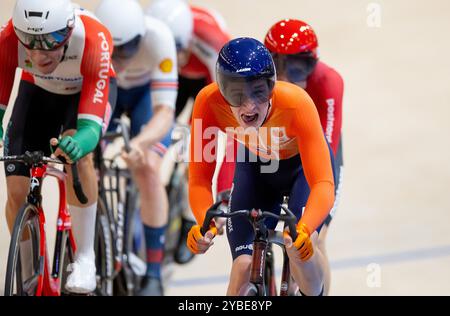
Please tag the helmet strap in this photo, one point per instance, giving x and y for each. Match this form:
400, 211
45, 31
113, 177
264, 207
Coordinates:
66, 46
267, 113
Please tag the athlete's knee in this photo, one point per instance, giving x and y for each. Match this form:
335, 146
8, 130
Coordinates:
241, 265
147, 172
150, 169
17, 193
240, 274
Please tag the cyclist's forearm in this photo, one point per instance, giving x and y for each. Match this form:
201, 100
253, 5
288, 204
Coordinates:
88, 135
157, 127
200, 199
320, 202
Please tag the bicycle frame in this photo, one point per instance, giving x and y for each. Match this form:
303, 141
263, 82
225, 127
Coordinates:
118, 196
107, 194
277, 239
50, 284
259, 257
260, 242
119, 220
260, 249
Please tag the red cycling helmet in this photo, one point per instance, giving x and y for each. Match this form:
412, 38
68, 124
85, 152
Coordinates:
291, 36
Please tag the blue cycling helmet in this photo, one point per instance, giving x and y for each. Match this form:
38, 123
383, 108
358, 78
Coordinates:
244, 61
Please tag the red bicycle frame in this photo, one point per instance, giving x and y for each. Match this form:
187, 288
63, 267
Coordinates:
50, 284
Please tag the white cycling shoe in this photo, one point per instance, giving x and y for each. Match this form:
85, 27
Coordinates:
82, 280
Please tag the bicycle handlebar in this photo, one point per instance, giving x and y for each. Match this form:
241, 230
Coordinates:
31, 158
37, 157
252, 216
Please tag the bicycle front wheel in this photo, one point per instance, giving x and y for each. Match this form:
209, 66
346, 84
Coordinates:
104, 252
250, 289
24, 267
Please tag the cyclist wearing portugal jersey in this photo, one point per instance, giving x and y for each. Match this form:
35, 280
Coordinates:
199, 34
145, 60
282, 150
64, 54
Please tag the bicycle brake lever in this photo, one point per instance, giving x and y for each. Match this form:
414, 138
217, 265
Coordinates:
291, 221
212, 212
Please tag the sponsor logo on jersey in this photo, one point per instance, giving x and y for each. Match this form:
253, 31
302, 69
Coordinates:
166, 65
330, 120
74, 79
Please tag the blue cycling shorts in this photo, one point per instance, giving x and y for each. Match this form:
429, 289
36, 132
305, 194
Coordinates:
254, 189
137, 105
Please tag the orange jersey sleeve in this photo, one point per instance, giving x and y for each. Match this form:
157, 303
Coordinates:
202, 155
314, 153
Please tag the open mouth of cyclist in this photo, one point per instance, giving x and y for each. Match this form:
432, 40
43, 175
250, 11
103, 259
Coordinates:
249, 118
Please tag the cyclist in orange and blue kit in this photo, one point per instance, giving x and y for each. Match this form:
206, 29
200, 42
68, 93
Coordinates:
282, 151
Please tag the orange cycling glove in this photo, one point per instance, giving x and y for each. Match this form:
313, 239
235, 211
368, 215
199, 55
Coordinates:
303, 243
197, 243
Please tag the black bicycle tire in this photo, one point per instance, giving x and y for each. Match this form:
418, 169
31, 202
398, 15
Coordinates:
120, 284
127, 281
27, 212
269, 273
270, 283
104, 253
176, 205
249, 289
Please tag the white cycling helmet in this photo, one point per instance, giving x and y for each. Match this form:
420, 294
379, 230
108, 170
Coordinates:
178, 16
43, 25
125, 19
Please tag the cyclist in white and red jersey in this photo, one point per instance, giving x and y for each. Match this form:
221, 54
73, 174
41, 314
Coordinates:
199, 35
67, 80
145, 60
